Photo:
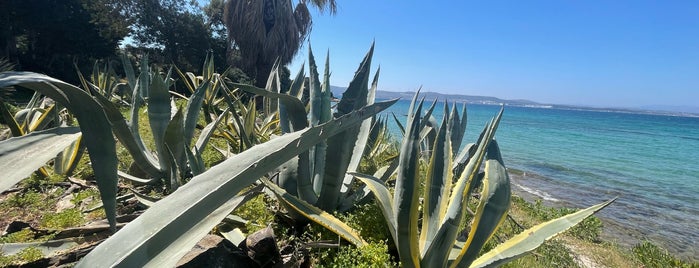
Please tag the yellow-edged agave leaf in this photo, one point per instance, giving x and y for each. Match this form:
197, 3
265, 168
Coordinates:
45, 117
10, 121
532, 238
492, 208
20, 156
160, 232
67, 160
95, 128
437, 184
317, 215
405, 198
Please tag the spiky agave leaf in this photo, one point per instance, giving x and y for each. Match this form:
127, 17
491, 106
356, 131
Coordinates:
316, 215
532, 238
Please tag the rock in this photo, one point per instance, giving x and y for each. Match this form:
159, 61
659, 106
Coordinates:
65, 203
15, 226
261, 246
214, 251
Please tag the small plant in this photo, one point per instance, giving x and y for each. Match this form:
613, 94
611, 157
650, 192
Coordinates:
374, 254
67, 218
653, 256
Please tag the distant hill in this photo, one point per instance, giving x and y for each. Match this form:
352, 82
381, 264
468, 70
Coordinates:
658, 110
337, 92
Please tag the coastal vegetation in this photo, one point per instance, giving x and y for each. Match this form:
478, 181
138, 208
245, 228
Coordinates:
124, 168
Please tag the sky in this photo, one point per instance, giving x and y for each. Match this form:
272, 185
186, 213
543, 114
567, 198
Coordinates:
594, 53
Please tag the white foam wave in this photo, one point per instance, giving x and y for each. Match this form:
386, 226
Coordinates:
541, 194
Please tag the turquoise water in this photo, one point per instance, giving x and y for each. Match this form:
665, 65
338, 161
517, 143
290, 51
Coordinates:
580, 158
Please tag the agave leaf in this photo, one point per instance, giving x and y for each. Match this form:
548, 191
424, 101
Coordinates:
132, 143
196, 162
316, 215
153, 235
362, 137
47, 248
296, 91
67, 160
321, 112
492, 208
20, 156
346, 147
356, 94
399, 124
137, 180
10, 121
128, 70
184, 243
532, 238
159, 112
45, 118
187, 79
140, 93
145, 200
175, 142
97, 133
273, 84
208, 130
192, 112
174, 178
457, 128
405, 199
437, 184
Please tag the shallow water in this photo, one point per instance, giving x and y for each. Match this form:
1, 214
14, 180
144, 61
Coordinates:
580, 158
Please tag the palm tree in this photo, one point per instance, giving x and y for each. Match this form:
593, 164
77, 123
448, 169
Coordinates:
263, 30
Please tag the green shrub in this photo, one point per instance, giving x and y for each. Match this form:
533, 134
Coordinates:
374, 254
653, 256
67, 218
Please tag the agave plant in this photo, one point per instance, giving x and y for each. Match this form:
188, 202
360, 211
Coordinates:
318, 176
212, 83
434, 242
172, 127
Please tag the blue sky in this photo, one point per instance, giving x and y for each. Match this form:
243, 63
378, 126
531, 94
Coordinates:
597, 53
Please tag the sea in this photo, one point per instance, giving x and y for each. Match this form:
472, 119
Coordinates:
578, 158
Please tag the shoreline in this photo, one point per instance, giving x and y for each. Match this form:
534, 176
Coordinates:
623, 234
